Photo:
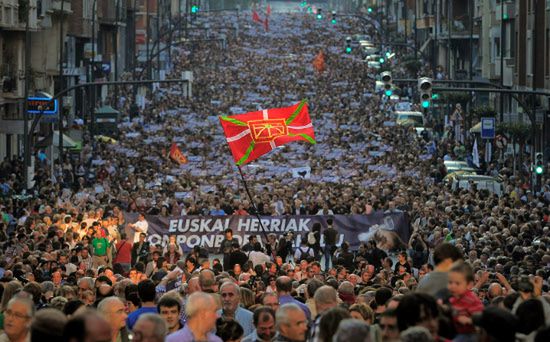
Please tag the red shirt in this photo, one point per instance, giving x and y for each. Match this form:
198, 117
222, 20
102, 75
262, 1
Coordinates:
465, 305
124, 254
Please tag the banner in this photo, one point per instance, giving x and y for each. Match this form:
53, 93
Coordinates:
391, 231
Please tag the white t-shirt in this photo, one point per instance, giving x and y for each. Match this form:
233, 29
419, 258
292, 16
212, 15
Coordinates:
142, 227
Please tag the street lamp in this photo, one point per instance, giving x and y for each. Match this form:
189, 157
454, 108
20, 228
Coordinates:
61, 86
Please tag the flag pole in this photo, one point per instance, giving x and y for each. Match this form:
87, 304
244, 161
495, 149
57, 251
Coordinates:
253, 204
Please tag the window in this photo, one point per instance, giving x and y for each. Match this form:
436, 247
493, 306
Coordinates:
496, 47
87, 9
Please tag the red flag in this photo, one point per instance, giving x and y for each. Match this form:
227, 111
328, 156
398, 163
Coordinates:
268, 10
176, 155
319, 62
256, 17
266, 23
254, 134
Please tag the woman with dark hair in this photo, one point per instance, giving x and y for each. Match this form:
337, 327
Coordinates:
531, 317
330, 321
418, 309
229, 330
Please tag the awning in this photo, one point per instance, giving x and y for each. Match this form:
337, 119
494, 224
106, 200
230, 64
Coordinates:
68, 142
476, 128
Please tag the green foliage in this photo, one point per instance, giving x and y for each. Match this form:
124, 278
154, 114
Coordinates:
483, 112
517, 131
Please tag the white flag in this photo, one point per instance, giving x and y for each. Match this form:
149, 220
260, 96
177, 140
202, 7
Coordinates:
475, 154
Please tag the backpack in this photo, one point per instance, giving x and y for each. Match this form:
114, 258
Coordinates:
304, 255
311, 240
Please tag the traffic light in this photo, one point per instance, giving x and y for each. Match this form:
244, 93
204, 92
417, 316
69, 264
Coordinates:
425, 89
319, 13
333, 17
381, 60
195, 9
369, 9
348, 45
386, 78
539, 163
303, 4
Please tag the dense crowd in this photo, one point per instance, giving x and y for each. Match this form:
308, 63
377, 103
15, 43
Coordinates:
74, 268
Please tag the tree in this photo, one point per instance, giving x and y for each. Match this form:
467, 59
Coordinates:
518, 133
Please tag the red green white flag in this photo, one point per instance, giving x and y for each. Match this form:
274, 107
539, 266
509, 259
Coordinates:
253, 134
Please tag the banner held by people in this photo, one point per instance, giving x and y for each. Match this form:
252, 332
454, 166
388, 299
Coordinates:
390, 230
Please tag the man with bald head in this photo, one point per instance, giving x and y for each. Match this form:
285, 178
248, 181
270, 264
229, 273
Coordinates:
231, 298
201, 320
284, 287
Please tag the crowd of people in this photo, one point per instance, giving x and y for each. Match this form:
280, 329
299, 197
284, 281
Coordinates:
72, 268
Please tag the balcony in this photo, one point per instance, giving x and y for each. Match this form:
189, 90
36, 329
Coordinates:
108, 13
55, 6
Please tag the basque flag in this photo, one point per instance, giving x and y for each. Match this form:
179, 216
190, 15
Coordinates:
254, 134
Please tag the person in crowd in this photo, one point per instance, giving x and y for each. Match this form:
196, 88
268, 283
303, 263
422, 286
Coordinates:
139, 227
169, 308
200, 310
291, 323
114, 312
17, 319
48, 325
264, 322
463, 301
228, 330
87, 325
389, 331
325, 299
122, 253
226, 247
147, 293
284, 288
231, 310
330, 235
271, 300
150, 327
352, 330
435, 283
140, 249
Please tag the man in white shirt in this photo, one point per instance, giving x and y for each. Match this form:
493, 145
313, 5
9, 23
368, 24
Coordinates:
141, 226
257, 256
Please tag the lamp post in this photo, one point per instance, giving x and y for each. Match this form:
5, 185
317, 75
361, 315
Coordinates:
115, 51
158, 37
148, 34
26, 144
61, 86
92, 92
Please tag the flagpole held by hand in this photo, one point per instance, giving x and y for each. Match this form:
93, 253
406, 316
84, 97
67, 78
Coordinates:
253, 204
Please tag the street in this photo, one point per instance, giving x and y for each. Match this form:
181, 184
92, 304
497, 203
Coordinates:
281, 172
